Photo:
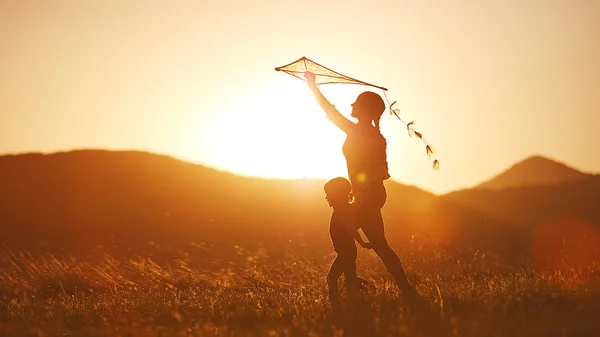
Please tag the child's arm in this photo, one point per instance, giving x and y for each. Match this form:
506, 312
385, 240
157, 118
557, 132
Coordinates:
356, 235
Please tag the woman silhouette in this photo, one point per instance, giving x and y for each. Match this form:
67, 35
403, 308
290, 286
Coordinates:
366, 160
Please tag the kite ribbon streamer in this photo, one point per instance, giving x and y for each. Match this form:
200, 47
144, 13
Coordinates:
428, 149
324, 75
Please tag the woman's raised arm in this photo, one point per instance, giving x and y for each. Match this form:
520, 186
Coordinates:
332, 113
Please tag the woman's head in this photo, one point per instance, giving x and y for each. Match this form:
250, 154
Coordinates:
368, 106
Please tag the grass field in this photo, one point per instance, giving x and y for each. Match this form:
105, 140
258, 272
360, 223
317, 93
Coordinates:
264, 293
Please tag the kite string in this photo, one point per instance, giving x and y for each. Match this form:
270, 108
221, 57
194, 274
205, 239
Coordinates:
430, 151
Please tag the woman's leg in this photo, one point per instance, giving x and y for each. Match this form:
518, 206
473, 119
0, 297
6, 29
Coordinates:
369, 202
373, 228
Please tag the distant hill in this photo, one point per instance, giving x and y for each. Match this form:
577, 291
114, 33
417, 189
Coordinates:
533, 171
96, 195
532, 205
137, 197
533, 191
130, 199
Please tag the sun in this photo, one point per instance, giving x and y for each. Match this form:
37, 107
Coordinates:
279, 131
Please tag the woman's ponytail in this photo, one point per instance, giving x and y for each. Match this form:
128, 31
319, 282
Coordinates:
376, 122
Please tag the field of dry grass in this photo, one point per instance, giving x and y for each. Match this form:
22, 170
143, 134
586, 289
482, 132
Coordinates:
260, 292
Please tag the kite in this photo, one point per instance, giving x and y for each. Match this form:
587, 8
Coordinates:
324, 75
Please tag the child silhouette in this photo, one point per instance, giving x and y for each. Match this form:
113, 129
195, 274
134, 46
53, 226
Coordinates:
343, 233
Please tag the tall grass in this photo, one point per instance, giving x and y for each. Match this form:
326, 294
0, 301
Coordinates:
283, 293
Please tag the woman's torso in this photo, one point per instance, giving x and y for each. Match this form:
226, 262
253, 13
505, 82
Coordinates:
366, 158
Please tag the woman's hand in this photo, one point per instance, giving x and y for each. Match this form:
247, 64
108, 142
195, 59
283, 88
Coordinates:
310, 77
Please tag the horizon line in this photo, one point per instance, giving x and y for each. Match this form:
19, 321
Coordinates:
153, 152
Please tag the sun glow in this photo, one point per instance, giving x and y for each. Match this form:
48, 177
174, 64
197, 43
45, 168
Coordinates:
279, 131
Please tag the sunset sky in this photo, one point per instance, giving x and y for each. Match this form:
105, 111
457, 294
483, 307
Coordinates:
488, 83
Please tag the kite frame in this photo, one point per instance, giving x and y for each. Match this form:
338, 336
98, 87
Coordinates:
304, 58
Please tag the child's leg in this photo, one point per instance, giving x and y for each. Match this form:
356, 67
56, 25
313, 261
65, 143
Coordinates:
349, 269
335, 271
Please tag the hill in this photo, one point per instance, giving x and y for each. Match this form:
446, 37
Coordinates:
558, 226
528, 205
533, 171
95, 194
100, 196
130, 199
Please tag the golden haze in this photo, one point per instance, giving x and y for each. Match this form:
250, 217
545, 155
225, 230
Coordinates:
488, 83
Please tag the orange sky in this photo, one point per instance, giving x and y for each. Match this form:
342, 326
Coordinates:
487, 82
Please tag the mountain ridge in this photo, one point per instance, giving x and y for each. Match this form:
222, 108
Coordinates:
136, 197
504, 179
84, 195
535, 170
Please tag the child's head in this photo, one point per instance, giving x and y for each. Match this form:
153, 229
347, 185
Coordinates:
338, 191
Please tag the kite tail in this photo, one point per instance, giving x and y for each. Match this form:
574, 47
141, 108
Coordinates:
409, 126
